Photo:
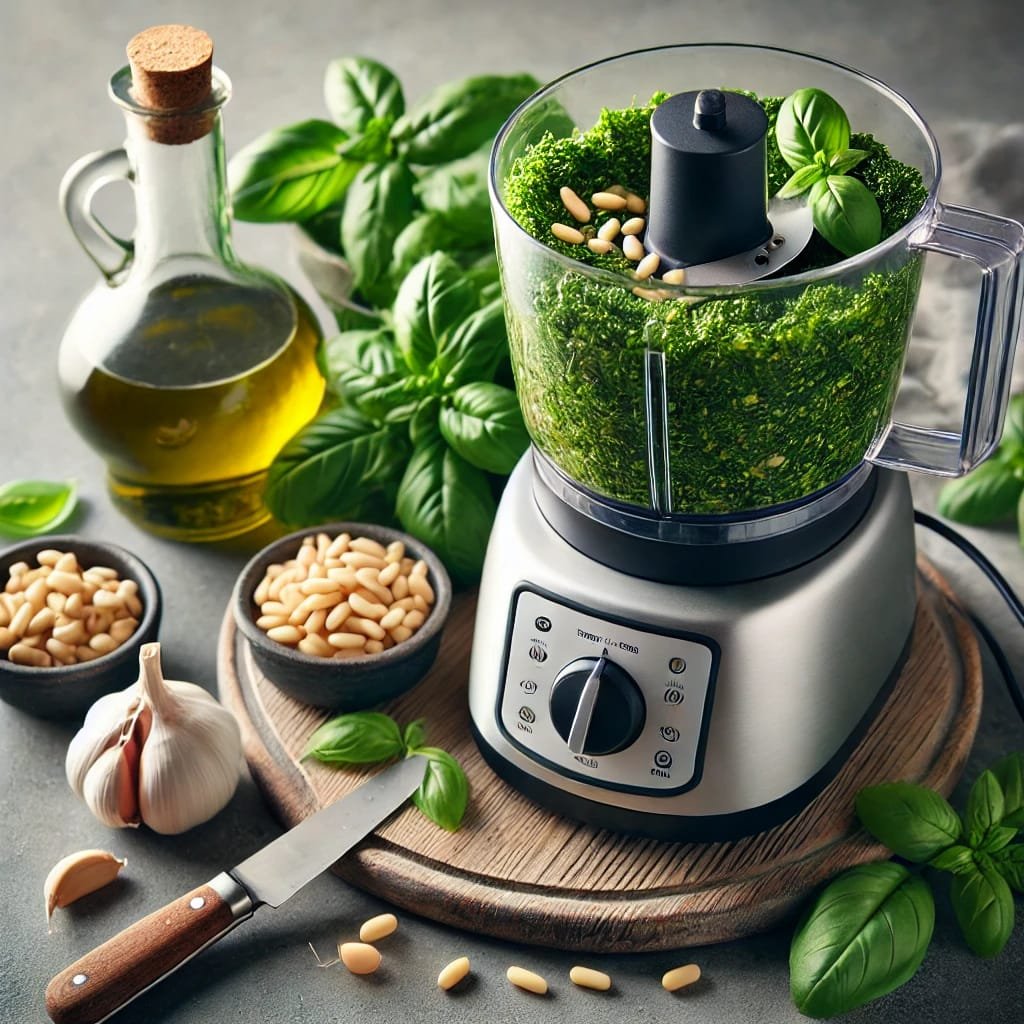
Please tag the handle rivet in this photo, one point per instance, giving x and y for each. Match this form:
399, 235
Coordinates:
197, 902
79, 979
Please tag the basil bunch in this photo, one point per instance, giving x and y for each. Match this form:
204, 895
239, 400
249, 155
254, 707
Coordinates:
378, 184
993, 492
29, 508
420, 428
813, 135
368, 737
869, 929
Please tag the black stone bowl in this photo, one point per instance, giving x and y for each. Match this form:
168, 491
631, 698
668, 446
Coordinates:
68, 691
354, 683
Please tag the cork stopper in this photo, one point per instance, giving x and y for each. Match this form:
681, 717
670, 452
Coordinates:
172, 72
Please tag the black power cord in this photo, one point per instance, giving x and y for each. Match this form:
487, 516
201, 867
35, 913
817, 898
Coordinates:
999, 581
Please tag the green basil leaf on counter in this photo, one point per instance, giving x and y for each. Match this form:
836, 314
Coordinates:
865, 935
290, 174
484, 425
447, 503
1009, 773
801, 180
444, 792
373, 145
914, 822
988, 494
29, 508
846, 214
336, 467
432, 302
1009, 862
459, 117
954, 859
414, 735
362, 367
476, 348
985, 807
844, 161
997, 838
983, 905
810, 121
358, 89
378, 206
362, 737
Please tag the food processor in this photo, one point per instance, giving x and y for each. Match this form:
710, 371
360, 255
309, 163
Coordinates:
700, 585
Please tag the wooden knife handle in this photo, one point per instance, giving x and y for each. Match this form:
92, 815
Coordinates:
113, 974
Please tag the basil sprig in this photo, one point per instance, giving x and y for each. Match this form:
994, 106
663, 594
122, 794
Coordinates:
813, 136
994, 492
868, 930
369, 737
29, 508
420, 427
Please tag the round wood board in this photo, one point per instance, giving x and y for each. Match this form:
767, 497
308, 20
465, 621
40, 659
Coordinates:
518, 872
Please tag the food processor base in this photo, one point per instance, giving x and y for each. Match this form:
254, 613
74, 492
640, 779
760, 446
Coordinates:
754, 693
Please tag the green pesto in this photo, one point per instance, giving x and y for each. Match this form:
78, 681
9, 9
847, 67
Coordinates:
770, 397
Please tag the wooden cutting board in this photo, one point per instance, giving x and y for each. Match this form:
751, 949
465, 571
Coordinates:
517, 872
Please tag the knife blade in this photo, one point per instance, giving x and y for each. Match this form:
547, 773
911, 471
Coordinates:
114, 973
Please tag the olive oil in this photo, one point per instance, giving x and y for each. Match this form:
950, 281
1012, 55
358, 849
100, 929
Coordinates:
190, 402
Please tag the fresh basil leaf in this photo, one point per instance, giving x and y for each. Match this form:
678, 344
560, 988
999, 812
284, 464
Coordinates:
290, 174
362, 737
984, 808
444, 792
483, 424
432, 302
426, 233
801, 180
1013, 432
997, 838
476, 348
423, 427
988, 494
361, 366
357, 90
447, 503
1009, 862
459, 189
379, 204
954, 859
336, 467
414, 734
810, 121
459, 117
485, 277
983, 905
914, 822
374, 145
865, 935
845, 160
1009, 773
325, 227
29, 508
845, 213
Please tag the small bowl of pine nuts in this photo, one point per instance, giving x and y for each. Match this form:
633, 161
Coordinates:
343, 616
73, 615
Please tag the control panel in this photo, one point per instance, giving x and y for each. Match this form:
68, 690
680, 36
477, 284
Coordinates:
616, 705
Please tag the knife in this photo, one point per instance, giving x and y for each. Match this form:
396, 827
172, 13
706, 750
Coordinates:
113, 974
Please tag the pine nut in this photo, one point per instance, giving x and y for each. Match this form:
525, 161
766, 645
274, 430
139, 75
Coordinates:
49, 556
36, 594
677, 276
633, 226
635, 204
269, 622
345, 576
315, 646
123, 628
377, 928
419, 603
337, 615
286, 634
396, 551
5, 615
453, 973
359, 957
20, 654
527, 980
587, 977
419, 587
400, 588
22, 618
361, 560
339, 545
347, 641
34, 641
367, 627
609, 230
104, 599
8, 638
393, 618
85, 653
364, 608
633, 248
41, 622
388, 576
574, 204
680, 977
373, 647
65, 583
617, 190
134, 605
608, 201
104, 572
320, 586
647, 266
64, 653
305, 608
564, 233
400, 633
368, 546
316, 622
368, 582
414, 619
66, 563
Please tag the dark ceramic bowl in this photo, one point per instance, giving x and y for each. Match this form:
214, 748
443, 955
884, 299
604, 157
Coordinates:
354, 683
68, 691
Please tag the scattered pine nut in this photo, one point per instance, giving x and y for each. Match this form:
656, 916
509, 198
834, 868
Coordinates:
574, 204
379, 927
677, 276
617, 190
599, 245
680, 977
633, 248
453, 973
633, 226
635, 204
609, 230
587, 977
527, 980
647, 266
359, 957
564, 233
608, 201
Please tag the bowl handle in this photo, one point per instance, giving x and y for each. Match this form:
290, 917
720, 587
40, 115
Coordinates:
995, 245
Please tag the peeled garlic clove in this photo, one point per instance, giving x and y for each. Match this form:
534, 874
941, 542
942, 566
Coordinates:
77, 875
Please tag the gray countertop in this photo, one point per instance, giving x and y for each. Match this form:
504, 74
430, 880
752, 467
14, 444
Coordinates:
958, 61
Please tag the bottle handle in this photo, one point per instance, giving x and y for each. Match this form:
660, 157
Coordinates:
995, 245
84, 178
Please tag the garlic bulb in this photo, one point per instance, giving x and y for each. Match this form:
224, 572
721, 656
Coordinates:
162, 752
